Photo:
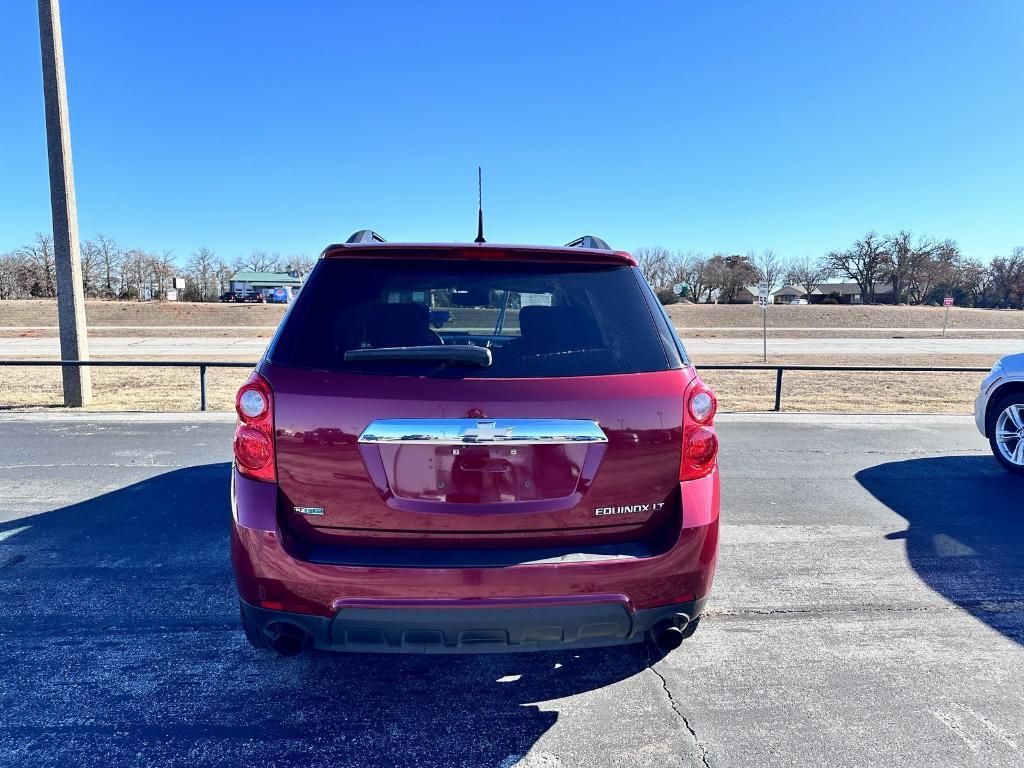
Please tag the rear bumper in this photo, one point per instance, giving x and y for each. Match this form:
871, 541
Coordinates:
425, 628
624, 590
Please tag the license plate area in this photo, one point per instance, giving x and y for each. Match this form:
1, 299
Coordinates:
482, 462
483, 474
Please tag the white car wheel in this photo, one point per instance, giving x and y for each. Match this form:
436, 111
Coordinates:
1007, 433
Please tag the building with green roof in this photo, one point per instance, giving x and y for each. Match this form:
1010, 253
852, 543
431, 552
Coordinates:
248, 281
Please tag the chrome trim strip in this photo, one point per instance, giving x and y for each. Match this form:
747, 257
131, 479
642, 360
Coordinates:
482, 431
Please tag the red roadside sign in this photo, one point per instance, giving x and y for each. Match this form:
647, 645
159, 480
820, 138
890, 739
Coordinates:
948, 301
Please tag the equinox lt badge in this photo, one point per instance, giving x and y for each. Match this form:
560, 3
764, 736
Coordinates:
630, 509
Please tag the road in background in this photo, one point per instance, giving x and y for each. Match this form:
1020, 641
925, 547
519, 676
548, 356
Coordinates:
868, 610
212, 348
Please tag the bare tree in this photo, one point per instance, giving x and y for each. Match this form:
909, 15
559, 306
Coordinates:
920, 268
90, 267
975, 279
258, 261
39, 257
654, 262
700, 278
807, 273
110, 271
108, 256
223, 273
1008, 278
769, 268
690, 269
905, 263
134, 274
161, 271
14, 271
862, 262
937, 268
298, 262
201, 283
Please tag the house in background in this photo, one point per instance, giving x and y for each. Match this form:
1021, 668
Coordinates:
849, 293
787, 294
747, 295
265, 282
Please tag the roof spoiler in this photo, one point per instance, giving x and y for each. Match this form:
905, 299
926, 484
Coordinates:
365, 236
589, 241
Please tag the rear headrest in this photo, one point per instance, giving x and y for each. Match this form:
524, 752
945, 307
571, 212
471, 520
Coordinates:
557, 329
399, 325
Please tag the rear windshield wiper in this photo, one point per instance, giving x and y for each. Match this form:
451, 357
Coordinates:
453, 353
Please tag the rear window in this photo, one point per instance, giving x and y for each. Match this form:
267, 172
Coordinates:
537, 319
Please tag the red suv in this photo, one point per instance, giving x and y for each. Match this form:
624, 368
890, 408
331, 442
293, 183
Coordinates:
539, 473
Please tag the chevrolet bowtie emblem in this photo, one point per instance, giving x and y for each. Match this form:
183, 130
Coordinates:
485, 431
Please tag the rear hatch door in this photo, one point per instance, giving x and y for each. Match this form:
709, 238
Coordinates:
570, 432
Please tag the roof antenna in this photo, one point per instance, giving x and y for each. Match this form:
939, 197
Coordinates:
480, 206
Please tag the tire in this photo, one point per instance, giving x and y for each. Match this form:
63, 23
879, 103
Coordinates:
257, 637
995, 410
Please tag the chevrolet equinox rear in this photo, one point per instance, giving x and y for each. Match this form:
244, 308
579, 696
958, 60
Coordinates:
539, 472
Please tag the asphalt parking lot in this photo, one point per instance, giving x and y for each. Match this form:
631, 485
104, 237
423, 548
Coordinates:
868, 610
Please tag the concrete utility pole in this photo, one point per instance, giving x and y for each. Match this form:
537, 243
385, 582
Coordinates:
67, 254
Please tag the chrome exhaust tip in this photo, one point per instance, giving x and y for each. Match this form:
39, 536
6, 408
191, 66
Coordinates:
670, 632
288, 640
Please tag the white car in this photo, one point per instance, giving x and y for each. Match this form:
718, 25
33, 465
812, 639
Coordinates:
999, 411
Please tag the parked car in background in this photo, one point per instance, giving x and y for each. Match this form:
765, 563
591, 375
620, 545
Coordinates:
541, 473
802, 302
281, 295
227, 297
999, 411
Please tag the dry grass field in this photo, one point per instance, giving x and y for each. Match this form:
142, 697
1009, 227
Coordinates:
177, 389
35, 313
123, 389
851, 391
839, 321
39, 316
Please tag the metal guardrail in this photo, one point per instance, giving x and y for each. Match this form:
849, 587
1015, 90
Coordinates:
856, 368
202, 365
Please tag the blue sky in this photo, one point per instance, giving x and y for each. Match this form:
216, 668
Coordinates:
795, 126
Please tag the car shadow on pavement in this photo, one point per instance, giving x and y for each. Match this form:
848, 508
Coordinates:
966, 531
120, 618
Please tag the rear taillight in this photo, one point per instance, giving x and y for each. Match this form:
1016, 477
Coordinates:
254, 435
700, 443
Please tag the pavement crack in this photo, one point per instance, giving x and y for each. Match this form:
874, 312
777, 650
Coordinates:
12, 561
702, 750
